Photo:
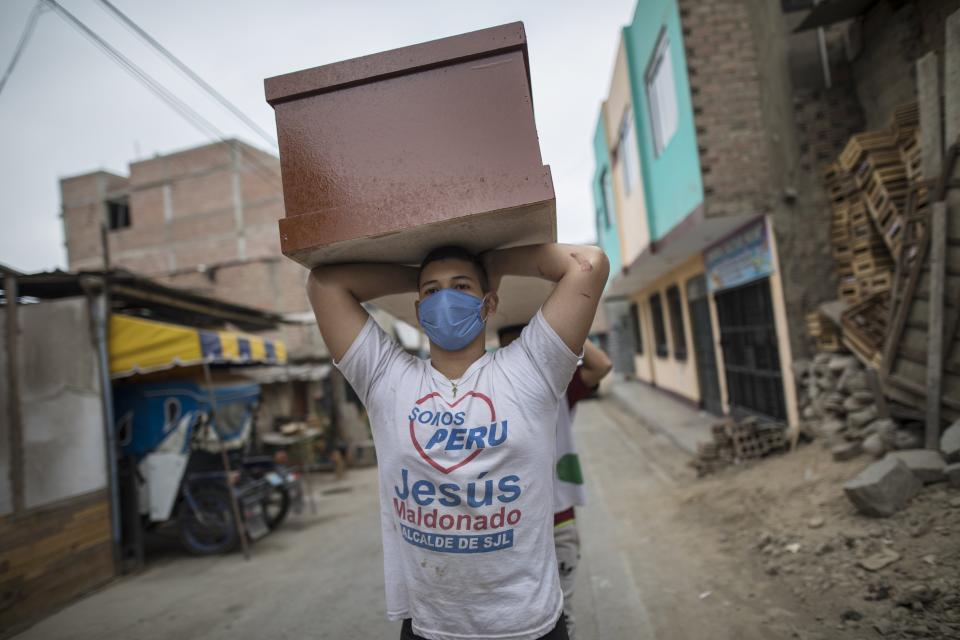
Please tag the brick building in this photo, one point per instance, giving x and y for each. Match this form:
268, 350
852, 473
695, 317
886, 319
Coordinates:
720, 118
203, 219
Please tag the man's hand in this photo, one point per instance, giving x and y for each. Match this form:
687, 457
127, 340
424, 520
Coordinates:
336, 291
579, 271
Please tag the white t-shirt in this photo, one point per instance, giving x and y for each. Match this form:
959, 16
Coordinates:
568, 490
466, 483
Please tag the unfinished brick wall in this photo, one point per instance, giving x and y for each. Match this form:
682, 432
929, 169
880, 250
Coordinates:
825, 119
765, 125
725, 88
203, 219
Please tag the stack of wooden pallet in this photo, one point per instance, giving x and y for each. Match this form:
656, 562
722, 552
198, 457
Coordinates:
874, 194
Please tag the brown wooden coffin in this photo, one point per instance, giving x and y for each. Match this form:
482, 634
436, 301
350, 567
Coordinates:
389, 155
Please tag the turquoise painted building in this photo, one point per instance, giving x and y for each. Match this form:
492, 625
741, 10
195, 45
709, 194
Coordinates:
608, 235
660, 91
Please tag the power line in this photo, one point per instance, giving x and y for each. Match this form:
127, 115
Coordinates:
188, 113
216, 95
24, 39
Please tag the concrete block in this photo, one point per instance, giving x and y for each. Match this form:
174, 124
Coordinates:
854, 403
387, 156
926, 464
846, 451
875, 445
883, 488
859, 419
907, 439
950, 442
952, 471
832, 428
838, 364
853, 381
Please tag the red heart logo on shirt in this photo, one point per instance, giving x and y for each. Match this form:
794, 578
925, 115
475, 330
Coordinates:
426, 456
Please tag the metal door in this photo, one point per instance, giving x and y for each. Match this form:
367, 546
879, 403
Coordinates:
751, 357
703, 345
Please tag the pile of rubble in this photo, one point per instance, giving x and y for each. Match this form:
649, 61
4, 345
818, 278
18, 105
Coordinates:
839, 408
887, 486
737, 441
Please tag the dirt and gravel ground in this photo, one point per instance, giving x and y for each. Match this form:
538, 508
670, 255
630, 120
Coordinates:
762, 552
787, 516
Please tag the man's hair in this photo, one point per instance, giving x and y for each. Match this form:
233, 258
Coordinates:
455, 253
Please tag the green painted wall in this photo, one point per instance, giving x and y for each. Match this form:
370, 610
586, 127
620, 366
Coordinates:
672, 181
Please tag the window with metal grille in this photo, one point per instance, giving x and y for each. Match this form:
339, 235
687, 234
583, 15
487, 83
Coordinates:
751, 357
676, 323
659, 330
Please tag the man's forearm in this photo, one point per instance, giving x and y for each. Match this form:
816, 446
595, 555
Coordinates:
580, 273
547, 261
366, 281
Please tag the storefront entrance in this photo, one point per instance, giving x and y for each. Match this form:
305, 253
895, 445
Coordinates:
703, 345
751, 358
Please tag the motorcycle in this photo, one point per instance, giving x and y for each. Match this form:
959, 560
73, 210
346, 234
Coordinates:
176, 432
286, 488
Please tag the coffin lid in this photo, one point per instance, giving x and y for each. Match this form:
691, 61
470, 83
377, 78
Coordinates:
402, 61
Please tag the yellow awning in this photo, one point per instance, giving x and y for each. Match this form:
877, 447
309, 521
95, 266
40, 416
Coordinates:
144, 346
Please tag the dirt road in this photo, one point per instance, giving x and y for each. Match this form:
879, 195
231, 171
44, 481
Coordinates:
665, 556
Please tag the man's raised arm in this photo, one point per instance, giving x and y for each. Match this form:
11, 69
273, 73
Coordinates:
336, 291
596, 364
580, 273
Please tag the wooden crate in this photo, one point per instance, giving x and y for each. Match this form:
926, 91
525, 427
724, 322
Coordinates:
863, 143
905, 120
839, 183
849, 290
876, 282
912, 157
815, 324
865, 327
866, 264
876, 160
830, 342
842, 252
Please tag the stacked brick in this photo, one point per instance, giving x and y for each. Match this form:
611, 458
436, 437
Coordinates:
737, 441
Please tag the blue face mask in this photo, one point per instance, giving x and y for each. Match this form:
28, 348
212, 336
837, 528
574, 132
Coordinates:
451, 318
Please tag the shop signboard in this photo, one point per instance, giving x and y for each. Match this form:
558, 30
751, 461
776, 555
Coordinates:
739, 259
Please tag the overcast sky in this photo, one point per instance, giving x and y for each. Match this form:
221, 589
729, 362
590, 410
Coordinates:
68, 109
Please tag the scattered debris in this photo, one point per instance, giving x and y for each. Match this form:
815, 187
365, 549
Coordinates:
851, 614
879, 560
877, 592
883, 488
